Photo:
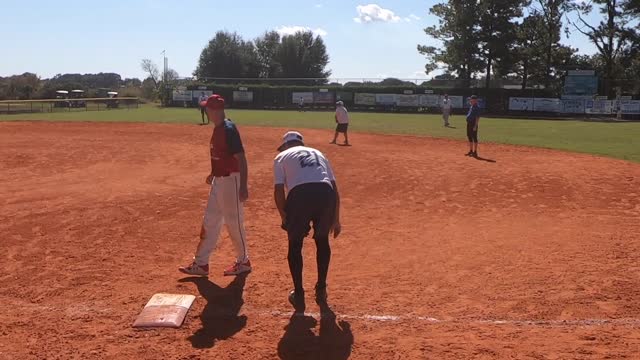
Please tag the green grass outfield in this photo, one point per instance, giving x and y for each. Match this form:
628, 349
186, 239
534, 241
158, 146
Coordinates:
618, 140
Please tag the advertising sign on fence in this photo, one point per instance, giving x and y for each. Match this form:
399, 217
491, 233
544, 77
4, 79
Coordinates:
630, 106
457, 102
323, 98
546, 105
598, 107
408, 100
386, 99
573, 106
520, 104
182, 95
430, 100
365, 99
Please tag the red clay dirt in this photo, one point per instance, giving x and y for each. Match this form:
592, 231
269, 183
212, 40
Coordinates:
535, 255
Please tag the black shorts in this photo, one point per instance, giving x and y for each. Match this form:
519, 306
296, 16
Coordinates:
310, 203
342, 128
471, 134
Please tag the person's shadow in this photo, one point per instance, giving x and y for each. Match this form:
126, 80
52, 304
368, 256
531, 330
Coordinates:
484, 159
220, 319
334, 340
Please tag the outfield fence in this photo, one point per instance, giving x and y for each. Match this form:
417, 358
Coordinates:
67, 105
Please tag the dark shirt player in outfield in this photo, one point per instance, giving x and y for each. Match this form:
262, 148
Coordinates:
473, 118
313, 198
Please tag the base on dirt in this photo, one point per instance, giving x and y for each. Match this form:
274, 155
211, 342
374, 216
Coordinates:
165, 310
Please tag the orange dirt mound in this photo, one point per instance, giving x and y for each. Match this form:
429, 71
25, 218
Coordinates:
534, 255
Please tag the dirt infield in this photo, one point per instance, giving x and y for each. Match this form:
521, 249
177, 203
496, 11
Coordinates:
535, 255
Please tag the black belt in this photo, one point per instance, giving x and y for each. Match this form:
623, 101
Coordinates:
224, 175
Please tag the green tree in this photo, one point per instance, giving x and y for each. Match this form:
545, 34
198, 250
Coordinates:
549, 26
302, 55
457, 30
497, 31
266, 51
227, 55
526, 57
613, 36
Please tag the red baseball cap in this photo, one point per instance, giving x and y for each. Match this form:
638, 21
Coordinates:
213, 102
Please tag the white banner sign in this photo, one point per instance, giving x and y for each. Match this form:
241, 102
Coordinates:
386, 99
408, 100
599, 107
630, 106
573, 106
520, 104
243, 96
182, 95
430, 100
457, 102
546, 105
365, 99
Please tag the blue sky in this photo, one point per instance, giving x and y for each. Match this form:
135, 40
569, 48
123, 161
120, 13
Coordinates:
364, 39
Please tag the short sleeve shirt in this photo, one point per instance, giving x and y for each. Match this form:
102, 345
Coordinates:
473, 114
342, 115
225, 143
301, 165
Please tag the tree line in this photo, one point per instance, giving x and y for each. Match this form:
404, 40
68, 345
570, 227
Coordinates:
31, 86
300, 55
520, 39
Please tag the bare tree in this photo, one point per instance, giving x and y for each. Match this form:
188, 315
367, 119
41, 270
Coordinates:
151, 69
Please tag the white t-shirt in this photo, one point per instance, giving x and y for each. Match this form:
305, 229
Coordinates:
301, 165
301, 101
342, 115
446, 104
203, 98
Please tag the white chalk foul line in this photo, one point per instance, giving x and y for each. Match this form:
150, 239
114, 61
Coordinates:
431, 320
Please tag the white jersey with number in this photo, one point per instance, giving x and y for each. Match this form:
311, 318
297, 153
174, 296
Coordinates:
301, 165
342, 115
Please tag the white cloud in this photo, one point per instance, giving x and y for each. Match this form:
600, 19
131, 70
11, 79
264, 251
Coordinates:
290, 30
420, 74
407, 19
373, 12
414, 17
318, 6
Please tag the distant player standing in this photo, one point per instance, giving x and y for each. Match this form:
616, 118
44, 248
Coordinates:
301, 104
342, 121
203, 111
473, 119
446, 109
312, 198
228, 180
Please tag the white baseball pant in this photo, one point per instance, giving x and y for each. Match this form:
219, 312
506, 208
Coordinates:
223, 207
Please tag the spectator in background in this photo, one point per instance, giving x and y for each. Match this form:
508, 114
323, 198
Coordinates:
342, 122
203, 110
446, 109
